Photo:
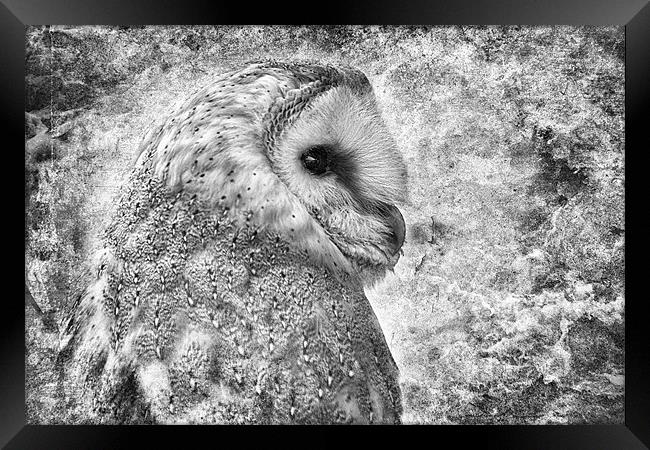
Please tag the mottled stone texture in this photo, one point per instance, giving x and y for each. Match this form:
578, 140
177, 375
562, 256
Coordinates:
508, 303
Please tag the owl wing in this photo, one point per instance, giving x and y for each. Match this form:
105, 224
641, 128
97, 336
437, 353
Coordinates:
206, 321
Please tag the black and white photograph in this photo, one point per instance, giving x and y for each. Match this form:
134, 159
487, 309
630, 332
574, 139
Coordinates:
325, 224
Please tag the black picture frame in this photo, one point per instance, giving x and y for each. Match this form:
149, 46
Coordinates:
633, 14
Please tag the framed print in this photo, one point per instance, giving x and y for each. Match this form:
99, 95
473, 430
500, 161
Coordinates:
420, 218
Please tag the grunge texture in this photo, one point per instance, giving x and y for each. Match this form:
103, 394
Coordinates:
507, 306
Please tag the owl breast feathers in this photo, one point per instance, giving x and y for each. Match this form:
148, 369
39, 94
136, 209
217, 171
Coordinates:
230, 285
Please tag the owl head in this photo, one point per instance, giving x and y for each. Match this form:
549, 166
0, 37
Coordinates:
298, 149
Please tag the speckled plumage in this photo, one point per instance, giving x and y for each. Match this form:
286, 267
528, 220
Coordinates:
229, 289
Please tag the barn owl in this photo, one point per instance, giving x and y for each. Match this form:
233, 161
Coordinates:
230, 285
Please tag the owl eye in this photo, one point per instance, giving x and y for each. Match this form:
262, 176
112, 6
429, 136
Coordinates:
315, 160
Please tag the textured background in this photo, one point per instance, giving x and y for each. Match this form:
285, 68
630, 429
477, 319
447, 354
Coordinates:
508, 304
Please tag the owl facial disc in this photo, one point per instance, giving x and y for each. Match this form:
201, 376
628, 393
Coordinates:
327, 143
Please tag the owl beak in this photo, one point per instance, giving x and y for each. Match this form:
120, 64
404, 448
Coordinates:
394, 219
